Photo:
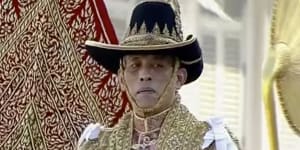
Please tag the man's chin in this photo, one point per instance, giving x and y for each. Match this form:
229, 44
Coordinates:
146, 101
145, 106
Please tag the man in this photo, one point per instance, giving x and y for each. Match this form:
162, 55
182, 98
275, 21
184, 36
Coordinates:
152, 63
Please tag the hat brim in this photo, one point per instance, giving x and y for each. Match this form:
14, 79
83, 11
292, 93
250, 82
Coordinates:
189, 53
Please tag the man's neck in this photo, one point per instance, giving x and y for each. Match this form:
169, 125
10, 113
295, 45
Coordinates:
149, 123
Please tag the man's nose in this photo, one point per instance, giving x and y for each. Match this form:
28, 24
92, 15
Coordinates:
145, 75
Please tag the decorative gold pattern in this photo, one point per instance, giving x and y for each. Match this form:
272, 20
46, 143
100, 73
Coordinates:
149, 123
141, 47
50, 89
180, 130
136, 37
142, 37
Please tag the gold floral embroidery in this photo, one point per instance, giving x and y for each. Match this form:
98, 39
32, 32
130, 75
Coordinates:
180, 130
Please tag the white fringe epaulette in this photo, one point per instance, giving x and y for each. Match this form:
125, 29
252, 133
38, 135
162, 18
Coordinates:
219, 134
91, 132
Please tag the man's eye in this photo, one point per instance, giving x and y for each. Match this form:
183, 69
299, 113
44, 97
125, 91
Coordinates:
133, 65
157, 65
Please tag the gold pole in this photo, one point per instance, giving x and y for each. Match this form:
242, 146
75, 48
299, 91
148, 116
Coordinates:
269, 106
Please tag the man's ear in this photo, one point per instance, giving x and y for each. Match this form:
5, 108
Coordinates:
181, 77
121, 80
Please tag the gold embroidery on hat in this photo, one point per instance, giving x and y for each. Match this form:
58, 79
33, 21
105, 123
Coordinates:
191, 62
143, 29
134, 35
165, 29
176, 7
147, 39
133, 30
156, 29
166, 44
155, 37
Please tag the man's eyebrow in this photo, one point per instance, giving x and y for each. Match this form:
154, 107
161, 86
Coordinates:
132, 58
155, 57
160, 57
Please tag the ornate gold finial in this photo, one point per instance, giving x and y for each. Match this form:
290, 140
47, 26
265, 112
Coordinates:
175, 5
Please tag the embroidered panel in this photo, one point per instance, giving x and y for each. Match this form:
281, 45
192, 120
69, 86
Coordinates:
50, 89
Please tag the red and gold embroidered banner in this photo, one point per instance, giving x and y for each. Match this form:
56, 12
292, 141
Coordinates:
50, 89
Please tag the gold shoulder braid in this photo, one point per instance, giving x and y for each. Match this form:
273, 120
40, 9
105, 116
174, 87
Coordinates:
180, 130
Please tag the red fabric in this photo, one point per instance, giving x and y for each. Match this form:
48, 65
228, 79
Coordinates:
50, 88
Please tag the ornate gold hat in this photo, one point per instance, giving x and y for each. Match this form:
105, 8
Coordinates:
155, 28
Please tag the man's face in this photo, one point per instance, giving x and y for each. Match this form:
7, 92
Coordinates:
146, 77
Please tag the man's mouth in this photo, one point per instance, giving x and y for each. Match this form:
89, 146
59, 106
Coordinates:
145, 90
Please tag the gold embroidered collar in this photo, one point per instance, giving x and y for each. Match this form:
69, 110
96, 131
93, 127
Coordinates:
149, 124
179, 130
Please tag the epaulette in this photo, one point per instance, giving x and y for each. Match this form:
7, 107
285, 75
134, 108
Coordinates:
219, 135
92, 133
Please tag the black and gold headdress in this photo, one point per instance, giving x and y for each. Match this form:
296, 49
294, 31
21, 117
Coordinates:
154, 28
